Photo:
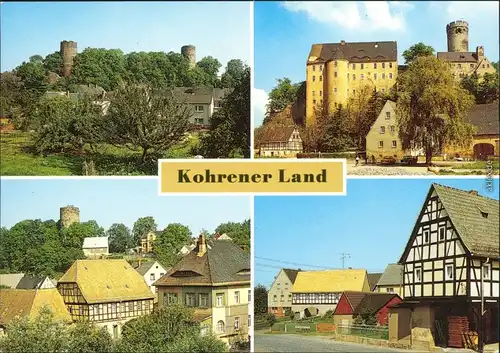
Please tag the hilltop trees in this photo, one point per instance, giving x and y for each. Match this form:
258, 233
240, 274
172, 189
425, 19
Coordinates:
141, 227
417, 50
170, 241
283, 94
484, 89
431, 107
239, 232
120, 238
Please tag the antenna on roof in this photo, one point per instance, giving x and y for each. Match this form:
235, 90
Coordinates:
344, 256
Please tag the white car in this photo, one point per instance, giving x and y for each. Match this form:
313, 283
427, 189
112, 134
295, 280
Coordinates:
198, 157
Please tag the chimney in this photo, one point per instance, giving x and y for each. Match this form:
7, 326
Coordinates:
342, 42
473, 192
202, 245
479, 53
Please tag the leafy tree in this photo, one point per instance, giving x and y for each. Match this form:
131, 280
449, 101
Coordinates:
33, 76
36, 58
289, 312
495, 65
260, 299
484, 88
60, 123
235, 70
363, 108
53, 63
239, 232
148, 118
170, 241
46, 334
432, 107
280, 96
271, 320
169, 329
230, 126
141, 227
153, 68
210, 67
73, 235
103, 67
10, 94
119, 238
417, 50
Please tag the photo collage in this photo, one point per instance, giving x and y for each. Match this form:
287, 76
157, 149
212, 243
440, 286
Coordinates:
341, 159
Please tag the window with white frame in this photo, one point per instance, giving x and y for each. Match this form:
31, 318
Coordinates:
249, 295
219, 299
394, 144
381, 144
275, 298
204, 300
387, 115
220, 326
418, 274
236, 323
198, 108
152, 276
190, 299
390, 290
382, 129
237, 297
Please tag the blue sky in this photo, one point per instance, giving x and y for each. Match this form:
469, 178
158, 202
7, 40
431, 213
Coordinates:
284, 32
220, 29
115, 201
372, 223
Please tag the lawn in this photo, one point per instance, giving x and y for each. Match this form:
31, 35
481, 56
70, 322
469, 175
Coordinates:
17, 158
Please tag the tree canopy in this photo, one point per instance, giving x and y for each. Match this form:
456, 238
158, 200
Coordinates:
283, 94
141, 227
170, 241
432, 107
120, 238
417, 50
260, 299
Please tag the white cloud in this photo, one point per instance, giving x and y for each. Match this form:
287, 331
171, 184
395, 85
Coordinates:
368, 15
259, 102
456, 10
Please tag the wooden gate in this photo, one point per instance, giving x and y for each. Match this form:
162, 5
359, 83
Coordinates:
457, 326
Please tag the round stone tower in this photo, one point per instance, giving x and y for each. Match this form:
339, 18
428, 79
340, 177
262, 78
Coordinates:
69, 215
68, 53
189, 52
458, 36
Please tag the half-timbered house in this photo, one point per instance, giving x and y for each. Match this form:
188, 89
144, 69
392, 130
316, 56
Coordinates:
450, 272
106, 292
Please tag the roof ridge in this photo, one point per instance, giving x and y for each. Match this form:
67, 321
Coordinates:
465, 192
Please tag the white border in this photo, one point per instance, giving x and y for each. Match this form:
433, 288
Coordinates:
265, 160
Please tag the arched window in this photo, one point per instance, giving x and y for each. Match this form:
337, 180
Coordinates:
220, 326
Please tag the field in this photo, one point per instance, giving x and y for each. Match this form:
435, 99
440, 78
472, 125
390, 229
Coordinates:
18, 158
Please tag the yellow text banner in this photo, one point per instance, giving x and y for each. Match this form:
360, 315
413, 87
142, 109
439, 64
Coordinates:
250, 176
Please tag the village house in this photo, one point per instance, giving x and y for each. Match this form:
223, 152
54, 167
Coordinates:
95, 247
279, 296
353, 304
202, 102
215, 281
151, 271
279, 141
28, 303
391, 280
106, 292
450, 272
316, 292
25, 281
147, 241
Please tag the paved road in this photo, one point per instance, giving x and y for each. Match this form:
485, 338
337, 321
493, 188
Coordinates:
301, 343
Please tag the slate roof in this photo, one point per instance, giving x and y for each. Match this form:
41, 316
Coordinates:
95, 242
30, 282
200, 95
291, 274
373, 279
392, 276
330, 281
276, 133
457, 56
485, 118
224, 262
355, 52
104, 281
28, 302
479, 234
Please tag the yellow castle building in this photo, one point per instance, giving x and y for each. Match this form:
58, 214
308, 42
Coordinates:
335, 71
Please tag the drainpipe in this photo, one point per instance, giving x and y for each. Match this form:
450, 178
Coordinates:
411, 327
481, 322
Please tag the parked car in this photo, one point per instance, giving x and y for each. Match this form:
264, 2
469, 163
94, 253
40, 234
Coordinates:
409, 160
388, 160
